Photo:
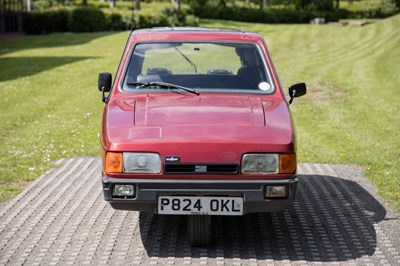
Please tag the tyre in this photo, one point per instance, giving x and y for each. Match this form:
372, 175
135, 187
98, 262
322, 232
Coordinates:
199, 230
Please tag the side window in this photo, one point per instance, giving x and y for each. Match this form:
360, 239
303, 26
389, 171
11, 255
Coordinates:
251, 67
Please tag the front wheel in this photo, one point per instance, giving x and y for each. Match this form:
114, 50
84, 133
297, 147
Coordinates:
199, 230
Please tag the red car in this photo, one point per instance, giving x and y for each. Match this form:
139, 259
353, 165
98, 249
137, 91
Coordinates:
196, 123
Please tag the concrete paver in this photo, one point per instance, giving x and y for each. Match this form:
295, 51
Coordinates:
62, 219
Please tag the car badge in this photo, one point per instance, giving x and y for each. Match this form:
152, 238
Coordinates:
200, 169
172, 159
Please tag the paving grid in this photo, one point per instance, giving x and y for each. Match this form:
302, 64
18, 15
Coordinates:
62, 219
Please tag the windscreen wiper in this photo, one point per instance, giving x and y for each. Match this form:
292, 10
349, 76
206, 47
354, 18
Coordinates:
162, 85
187, 59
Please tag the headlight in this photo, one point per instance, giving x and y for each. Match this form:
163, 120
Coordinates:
149, 163
269, 163
260, 164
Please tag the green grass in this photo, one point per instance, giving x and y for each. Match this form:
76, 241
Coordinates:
361, 5
50, 107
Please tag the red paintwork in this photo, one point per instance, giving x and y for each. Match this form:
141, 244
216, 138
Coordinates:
206, 128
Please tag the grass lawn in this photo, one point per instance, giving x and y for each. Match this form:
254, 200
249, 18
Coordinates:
50, 107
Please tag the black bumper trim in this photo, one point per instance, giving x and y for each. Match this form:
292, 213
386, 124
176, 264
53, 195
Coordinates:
252, 191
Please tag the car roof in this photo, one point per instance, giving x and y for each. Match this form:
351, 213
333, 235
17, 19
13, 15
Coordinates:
192, 34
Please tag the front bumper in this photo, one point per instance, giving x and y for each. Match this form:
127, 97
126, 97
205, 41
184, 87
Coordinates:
252, 191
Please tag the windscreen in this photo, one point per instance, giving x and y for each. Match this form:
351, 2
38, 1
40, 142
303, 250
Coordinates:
204, 66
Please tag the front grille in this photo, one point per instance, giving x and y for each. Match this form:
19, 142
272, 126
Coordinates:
200, 168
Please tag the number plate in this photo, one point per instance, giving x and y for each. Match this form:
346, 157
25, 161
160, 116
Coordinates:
200, 205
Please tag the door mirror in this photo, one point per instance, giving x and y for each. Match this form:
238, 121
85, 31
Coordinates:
297, 90
104, 82
104, 85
